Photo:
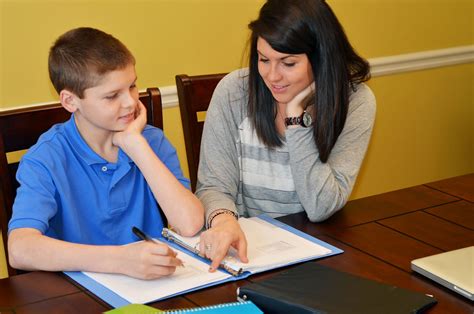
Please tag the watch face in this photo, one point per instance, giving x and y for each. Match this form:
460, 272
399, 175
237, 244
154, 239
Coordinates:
307, 120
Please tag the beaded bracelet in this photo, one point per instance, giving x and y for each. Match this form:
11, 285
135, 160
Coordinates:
218, 212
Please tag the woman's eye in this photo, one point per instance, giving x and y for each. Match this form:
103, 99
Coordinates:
133, 86
263, 60
111, 96
289, 64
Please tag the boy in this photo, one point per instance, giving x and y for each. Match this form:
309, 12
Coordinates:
87, 181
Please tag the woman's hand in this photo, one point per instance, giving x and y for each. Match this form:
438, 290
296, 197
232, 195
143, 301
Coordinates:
148, 260
216, 242
296, 106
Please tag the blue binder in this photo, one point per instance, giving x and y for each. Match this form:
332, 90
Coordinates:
116, 300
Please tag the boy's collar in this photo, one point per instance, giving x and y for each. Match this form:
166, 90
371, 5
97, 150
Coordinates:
84, 150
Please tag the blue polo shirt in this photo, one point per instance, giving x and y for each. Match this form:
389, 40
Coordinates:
69, 192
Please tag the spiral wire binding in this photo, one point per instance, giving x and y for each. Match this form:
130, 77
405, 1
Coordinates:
210, 307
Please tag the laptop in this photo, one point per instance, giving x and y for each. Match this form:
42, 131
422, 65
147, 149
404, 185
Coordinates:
453, 269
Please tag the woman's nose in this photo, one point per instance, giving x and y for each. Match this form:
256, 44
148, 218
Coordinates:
274, 74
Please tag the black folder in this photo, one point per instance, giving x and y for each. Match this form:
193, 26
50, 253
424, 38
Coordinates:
313, 288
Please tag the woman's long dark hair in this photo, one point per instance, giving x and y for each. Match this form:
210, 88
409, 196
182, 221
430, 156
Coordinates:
309, 27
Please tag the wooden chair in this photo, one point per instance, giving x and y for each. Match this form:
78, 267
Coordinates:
20, 129
194, 95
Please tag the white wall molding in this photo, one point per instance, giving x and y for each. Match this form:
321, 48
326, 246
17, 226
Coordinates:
379, 67
421, 60
383, 66
169, 96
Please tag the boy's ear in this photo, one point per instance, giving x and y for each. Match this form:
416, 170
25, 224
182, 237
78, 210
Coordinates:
68, 100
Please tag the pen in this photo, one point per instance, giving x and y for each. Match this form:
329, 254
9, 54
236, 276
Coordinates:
142, 235
145, 237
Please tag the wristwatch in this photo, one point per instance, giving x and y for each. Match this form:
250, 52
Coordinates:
304, 120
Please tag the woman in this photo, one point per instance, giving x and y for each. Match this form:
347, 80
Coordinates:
289, 133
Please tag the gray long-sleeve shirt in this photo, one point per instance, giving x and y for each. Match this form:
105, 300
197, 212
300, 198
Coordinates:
239, 173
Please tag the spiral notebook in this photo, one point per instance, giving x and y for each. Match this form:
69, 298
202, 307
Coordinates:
247, 307
228, 308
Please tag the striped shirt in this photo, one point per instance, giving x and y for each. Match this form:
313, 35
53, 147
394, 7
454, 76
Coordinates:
266, 182
239, 173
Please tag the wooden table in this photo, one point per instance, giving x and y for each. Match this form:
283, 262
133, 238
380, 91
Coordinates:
380, 235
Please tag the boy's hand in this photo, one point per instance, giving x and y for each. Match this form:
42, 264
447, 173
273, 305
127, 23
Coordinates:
149, 260
295, 107
134, 129
216, 241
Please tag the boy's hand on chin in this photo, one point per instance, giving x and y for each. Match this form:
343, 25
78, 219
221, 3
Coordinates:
133, 130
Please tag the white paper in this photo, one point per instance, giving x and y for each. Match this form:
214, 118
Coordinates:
269, 247
195, 273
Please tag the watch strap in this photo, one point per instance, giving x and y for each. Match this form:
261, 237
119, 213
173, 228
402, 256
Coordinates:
294, 120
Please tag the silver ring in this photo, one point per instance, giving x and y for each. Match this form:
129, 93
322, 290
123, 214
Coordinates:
208, 247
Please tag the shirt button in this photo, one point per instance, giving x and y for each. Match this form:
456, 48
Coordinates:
104, 168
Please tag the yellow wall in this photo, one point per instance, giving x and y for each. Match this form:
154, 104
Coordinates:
3, 265
389, 27
424, 129
166, 37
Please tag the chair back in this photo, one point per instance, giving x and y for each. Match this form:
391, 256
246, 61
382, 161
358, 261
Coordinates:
21, 128
194, 95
